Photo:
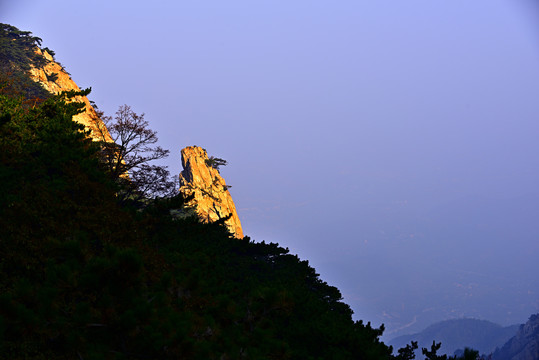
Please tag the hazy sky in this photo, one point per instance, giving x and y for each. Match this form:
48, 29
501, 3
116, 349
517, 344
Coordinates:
393, 144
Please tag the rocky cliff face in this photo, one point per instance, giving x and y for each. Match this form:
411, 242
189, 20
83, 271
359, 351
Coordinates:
211, 197
524, 345
62, 82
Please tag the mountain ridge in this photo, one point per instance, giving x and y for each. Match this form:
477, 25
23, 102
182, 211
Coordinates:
87, 276
482, 335
524, 345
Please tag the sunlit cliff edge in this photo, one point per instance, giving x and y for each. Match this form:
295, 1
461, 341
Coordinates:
89, 272
209, 190
211, 197
62, 82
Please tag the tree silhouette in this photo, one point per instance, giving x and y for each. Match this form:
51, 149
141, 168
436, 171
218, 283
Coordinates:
407, 353
215, 162
432, 353
467, 354
127, 158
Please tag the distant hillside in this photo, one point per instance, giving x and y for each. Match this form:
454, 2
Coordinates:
456, 334
524, 345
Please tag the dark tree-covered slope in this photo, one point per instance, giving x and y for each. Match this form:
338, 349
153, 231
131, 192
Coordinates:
85, 276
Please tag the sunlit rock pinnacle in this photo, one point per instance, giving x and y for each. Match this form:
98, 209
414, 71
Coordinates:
211, 197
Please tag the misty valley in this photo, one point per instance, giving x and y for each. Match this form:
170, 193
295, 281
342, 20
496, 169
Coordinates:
104, 254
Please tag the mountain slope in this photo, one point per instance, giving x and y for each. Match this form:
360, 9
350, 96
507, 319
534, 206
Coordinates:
85, 276
524, 345
480, 335
55, 79
33, 72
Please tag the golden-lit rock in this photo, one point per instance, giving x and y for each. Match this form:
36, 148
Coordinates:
212, 199
62, 82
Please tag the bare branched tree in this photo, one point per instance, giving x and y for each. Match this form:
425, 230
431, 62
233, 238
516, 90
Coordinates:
126, 158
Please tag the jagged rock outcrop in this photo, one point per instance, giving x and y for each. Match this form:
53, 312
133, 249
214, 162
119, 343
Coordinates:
211, 197
55, 79
524, 345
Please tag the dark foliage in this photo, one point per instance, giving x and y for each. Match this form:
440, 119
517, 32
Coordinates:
407, 352
17, 56
466, 354
216, 162
86, 277
432, 353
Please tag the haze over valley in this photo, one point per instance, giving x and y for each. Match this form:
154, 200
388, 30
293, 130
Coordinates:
391, 144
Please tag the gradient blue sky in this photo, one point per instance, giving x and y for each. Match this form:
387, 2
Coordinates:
393, 144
